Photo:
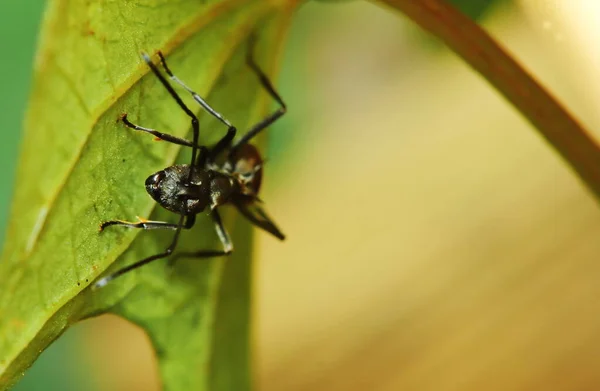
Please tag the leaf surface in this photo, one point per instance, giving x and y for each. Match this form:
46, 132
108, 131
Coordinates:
79, 167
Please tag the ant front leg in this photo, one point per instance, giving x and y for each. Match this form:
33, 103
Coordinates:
183, 106
149, 224
157, 134
194, 120
103, 281
231, 130
196, 97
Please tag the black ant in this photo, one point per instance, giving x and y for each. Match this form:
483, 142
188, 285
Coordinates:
188, 189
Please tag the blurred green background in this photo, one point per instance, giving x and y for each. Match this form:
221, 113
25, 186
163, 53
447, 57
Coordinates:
475, 265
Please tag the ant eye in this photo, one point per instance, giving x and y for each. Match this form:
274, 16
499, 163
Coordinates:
154, 180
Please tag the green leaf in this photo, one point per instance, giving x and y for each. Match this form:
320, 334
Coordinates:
79, 167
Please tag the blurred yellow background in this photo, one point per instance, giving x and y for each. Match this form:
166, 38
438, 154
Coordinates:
435, 241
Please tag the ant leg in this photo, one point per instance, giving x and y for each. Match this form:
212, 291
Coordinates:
149, 224
221, 232
222, 144
231, 130
223, 237
262, 221
268, 86
196, 97
203, 156
177, 98
103, 281
157, 134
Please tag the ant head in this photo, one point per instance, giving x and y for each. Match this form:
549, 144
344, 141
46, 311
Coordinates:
173, 191
154, 185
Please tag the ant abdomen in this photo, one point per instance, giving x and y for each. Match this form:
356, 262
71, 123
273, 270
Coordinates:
247, 167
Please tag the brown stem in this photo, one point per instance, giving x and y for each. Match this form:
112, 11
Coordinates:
488, 58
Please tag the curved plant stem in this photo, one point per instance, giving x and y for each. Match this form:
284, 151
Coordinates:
487, 57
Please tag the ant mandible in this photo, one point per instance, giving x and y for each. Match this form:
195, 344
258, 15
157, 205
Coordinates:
188, 189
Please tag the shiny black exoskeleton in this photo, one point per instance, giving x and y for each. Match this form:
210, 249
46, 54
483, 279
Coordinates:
230, 172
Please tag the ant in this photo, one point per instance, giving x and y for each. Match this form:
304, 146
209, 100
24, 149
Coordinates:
188, 189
